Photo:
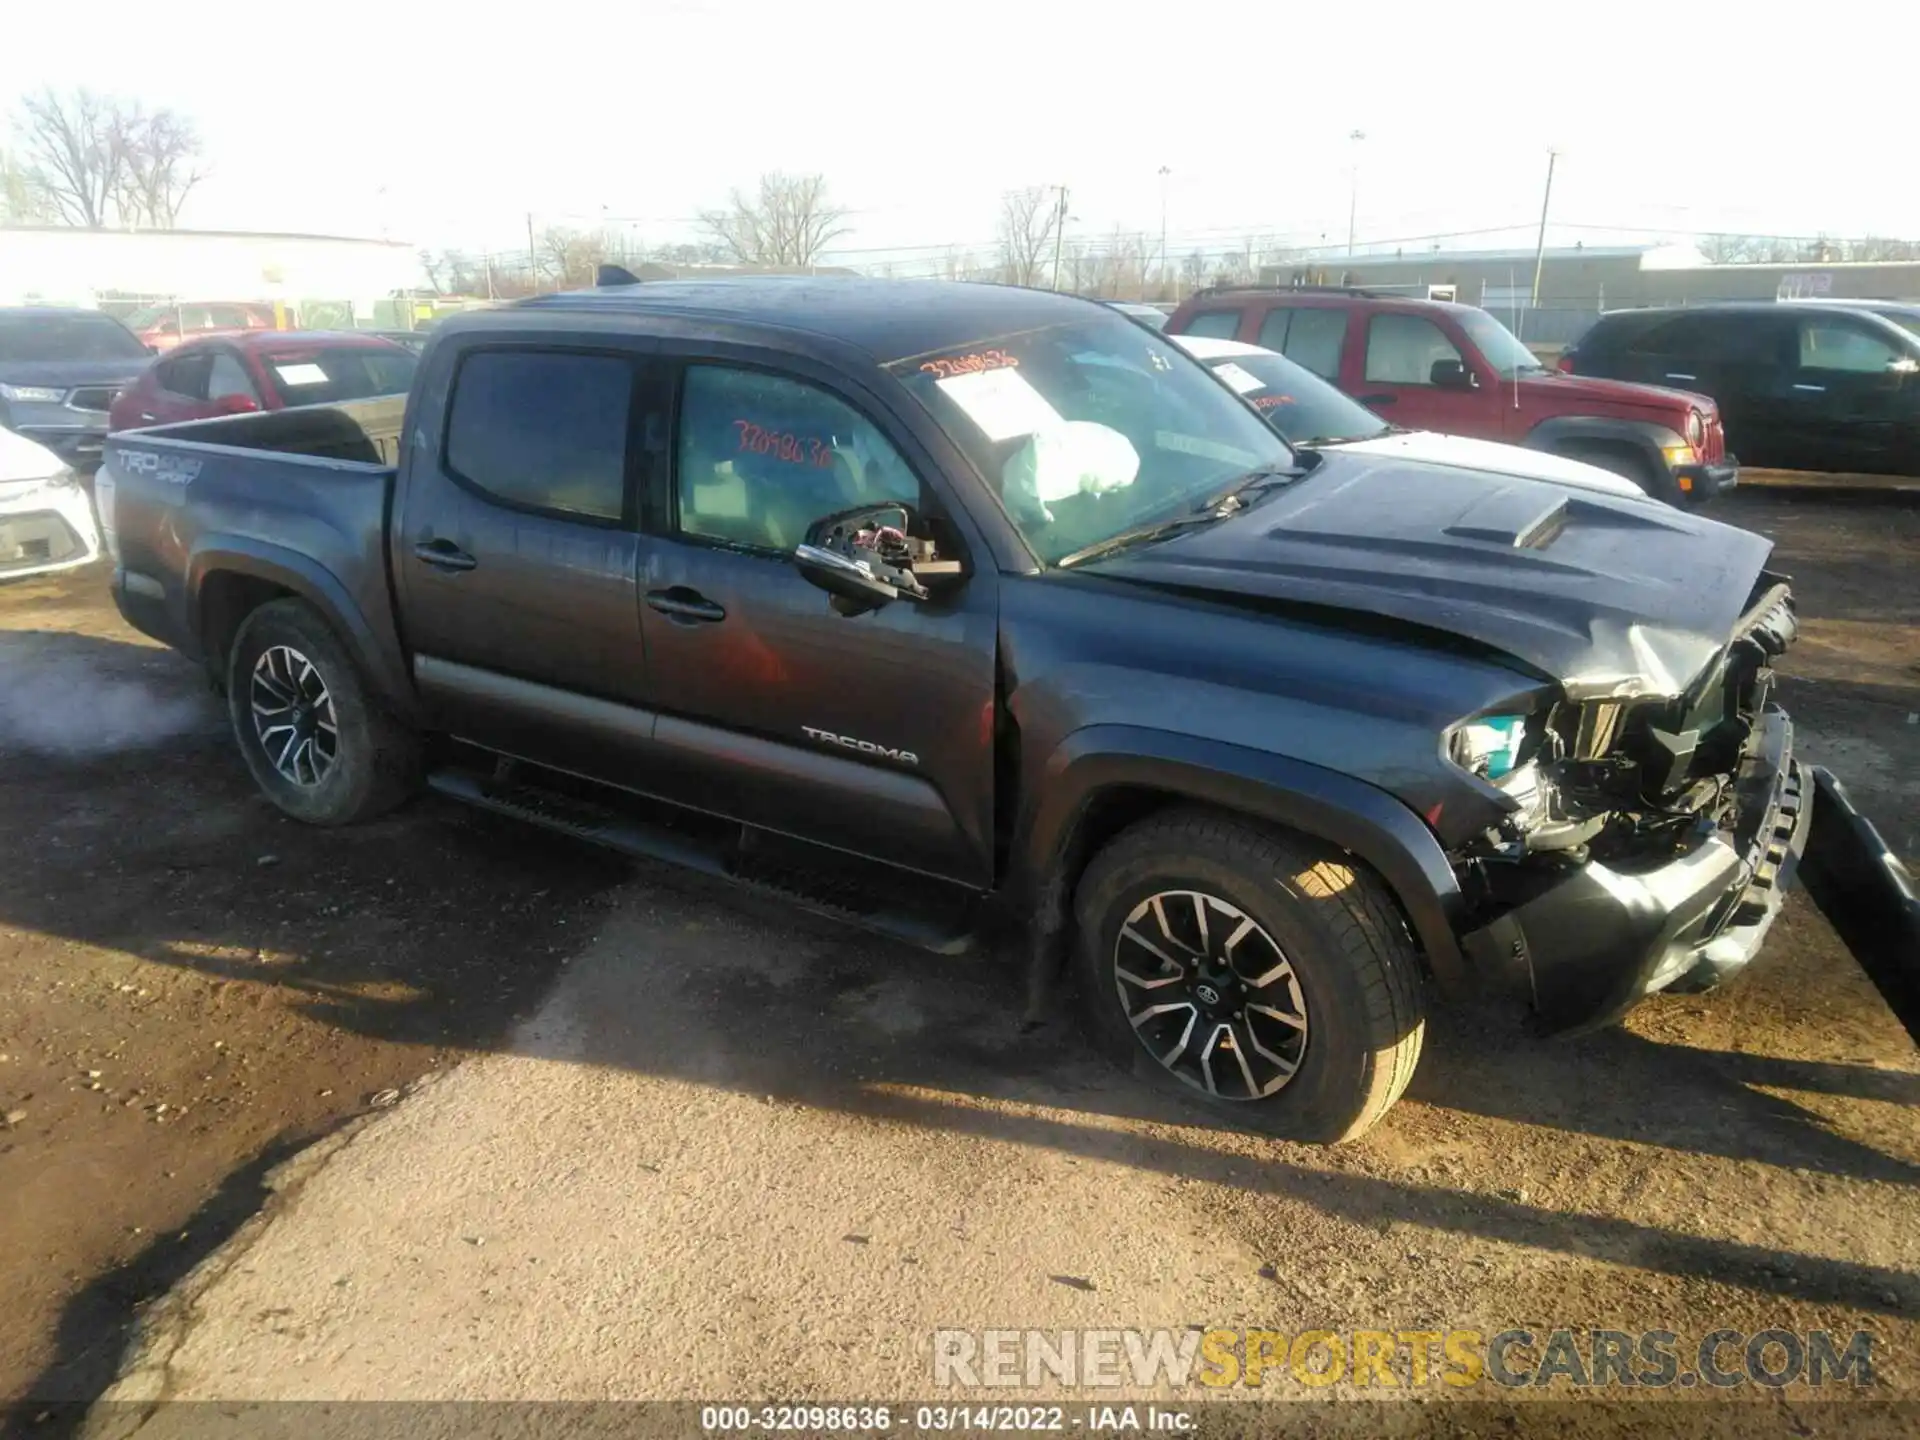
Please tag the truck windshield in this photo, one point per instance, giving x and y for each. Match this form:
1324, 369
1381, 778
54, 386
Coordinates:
1503, 351
326, 377
1299, 404
1091, 428
67, 337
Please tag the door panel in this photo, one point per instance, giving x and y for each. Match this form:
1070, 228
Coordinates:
872, 733
1847, 403
517, 559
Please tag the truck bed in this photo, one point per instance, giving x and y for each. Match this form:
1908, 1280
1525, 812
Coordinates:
296, 500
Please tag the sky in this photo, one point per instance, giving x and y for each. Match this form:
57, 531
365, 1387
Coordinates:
446, 125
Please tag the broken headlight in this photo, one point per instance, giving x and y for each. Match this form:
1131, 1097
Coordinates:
1489, 745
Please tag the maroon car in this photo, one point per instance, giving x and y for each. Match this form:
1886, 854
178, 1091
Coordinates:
1431, 365
268, 370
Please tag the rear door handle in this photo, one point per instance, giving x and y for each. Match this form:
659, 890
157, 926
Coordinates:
677, 602
1675, 375
1812, 389
444, 555
1376, 399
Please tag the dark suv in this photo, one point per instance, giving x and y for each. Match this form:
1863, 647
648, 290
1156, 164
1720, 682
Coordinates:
1803, 386
60, 370
1430, 365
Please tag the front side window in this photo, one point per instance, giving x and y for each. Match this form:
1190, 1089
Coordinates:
1836, 345
1402, 349
543, 430
1498, 346
761, 457
185, 375
1091, 428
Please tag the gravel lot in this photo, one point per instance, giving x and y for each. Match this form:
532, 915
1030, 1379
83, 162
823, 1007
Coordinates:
733, 1124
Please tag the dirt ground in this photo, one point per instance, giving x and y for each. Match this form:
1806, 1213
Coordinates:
195, 988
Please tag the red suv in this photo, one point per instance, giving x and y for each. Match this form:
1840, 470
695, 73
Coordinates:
266, 370
1429, 365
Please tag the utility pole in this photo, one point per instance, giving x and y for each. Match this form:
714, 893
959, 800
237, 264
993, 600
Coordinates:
1353, 192
1540, 248
1164, 173
533, 258
1059, 228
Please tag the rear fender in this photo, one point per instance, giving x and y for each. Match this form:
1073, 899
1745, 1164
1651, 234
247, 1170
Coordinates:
1359, 818
304, 577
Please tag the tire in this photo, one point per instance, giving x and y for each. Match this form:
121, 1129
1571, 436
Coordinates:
1630, 466
331, 755
1355, 976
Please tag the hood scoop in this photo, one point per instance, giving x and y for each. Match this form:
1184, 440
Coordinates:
1517, 518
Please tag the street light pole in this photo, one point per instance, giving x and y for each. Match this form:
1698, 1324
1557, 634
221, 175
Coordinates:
1059, 227
1353, 194
1164, 173
1540, 247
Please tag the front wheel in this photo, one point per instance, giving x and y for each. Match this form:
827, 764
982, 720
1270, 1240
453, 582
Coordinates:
1262, 974
318, 743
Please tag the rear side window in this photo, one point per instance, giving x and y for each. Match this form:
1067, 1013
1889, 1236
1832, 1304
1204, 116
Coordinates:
1401, 349
228, 377
543, 430
1313, 340
1220, 324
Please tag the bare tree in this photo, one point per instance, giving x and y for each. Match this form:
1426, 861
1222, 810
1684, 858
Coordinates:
93, 160
1749, 250
72, 149
1028, 221
23, 201
787, 225
571, 256
1193, 270
160, 165
1881, 247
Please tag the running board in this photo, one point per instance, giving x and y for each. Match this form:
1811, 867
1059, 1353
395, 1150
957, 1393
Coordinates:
755, 860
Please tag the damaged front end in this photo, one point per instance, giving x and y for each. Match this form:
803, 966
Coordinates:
1647, 842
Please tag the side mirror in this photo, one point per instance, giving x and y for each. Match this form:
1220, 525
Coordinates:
236, 405
862, 558
1450, 375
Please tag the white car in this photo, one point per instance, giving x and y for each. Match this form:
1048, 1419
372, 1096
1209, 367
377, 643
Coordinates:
1310, 413
46, 522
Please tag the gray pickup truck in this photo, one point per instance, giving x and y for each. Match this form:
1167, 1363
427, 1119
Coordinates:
936, 606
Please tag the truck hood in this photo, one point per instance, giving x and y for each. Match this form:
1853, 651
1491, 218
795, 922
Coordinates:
68, 373
1609, 595
1560, 393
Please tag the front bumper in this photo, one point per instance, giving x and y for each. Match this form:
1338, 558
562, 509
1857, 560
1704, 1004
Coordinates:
1585, 942
1702, 482
37, 539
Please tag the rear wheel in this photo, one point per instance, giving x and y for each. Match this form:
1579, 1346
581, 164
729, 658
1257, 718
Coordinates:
317, 742
1262, 974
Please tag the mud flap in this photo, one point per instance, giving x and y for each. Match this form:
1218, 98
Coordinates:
1867, 896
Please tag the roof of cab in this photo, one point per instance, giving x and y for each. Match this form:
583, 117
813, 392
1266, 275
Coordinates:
889, 319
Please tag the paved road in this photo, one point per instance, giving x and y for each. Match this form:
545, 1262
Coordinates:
739, 1156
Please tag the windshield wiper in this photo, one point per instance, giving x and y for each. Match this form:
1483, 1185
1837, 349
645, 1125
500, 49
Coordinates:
1139, 535
1236, 495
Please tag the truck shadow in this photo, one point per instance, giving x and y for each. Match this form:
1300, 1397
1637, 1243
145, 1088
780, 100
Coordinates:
441, 926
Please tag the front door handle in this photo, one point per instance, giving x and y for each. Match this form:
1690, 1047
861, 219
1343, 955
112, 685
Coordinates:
444, 555
677, 602
1676, 375
1811, 389
1376, 399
